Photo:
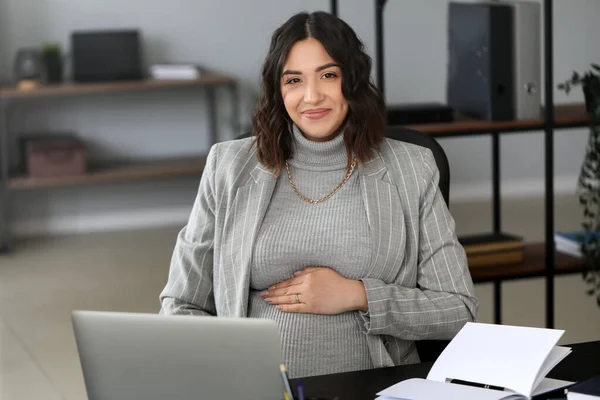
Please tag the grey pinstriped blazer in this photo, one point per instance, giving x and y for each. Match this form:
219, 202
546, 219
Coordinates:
418, 284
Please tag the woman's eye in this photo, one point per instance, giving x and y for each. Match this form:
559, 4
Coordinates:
293, 80
329, 75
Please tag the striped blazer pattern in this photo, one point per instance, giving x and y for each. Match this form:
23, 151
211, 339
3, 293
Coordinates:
418, 284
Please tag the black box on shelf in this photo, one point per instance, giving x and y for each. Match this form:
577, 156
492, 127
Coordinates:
106, 55
480, 60
419, 113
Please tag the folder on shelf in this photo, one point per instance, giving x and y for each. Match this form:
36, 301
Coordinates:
487, 361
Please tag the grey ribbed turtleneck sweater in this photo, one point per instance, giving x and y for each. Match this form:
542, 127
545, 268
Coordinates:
296, 234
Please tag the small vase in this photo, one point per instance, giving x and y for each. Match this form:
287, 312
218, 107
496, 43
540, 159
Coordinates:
54, 68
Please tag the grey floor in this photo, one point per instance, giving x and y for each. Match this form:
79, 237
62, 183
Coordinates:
44, 279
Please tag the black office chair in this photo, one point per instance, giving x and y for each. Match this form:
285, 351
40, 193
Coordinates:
429, 350
418, 138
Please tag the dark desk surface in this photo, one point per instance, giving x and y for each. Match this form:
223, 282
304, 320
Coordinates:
582, 363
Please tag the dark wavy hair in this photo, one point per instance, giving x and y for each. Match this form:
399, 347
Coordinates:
364, 126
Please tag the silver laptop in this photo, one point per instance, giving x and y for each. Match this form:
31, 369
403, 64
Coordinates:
157, 357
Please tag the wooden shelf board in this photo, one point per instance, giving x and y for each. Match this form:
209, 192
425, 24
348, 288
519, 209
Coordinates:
534, 264
81, 88
121, 172
565, 115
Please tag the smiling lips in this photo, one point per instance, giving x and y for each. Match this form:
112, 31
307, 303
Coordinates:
316, 113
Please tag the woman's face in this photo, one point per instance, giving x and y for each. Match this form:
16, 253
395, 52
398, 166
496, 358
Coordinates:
311, 87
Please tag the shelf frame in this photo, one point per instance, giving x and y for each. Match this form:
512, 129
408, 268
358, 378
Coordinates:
117, 172
549, 122
209, 81
79, 88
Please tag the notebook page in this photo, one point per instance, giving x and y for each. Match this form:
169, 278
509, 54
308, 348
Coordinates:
421, 389
549, 385
557, 354
500, 355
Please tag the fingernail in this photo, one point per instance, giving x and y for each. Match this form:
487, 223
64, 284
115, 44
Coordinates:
296, 273
264, 293
280, 308
268, 300
272, 287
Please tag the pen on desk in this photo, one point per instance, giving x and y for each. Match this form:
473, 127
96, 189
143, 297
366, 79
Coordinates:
286, 382
300, 390
475, 384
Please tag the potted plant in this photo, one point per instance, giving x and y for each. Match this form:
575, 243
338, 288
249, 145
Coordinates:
52, 57
588, 185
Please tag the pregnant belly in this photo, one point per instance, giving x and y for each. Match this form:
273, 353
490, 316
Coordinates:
316, 344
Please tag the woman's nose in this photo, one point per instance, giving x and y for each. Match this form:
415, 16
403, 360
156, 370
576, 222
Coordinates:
312, 94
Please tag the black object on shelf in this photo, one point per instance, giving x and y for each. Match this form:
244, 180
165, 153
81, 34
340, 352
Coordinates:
53, 62
107, 55
54, 69
419, 113
481, 60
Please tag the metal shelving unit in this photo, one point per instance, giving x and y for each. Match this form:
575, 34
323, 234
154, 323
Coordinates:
541, 259
118, 172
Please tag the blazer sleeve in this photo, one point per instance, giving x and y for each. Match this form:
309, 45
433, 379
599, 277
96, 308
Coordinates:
444, 299
189, 289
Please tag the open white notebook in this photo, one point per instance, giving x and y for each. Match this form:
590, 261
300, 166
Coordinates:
511, 360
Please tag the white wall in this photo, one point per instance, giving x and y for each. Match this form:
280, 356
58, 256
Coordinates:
232, 36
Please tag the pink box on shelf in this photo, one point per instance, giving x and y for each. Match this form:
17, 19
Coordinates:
54, 156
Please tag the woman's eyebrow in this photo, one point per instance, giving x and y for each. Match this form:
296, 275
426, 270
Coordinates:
321, 68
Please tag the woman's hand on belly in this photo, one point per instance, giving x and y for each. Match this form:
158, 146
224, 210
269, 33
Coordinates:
318, 290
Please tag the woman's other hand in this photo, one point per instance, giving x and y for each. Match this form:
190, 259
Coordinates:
318, 290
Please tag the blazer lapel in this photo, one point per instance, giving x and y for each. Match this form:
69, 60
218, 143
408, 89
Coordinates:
386, 220
386, 227
249, 208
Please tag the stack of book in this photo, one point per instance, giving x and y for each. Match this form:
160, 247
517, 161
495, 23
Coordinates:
570, 242
493, 249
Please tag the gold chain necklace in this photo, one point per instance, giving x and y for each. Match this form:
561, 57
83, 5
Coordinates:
322, 199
